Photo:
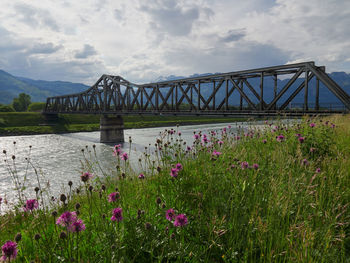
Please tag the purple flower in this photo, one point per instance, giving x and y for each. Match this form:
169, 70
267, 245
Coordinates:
116, 152
189, 148
179, 133
312, 149
318, 170
333, 125
305, 162
280, 138
112, 197
31, 204
196, 136
255, 166
117, 214
77, 226
220, 142
312, 125
9, 250
180, 220
67, 218
174, 172
86, 176
237, 138
264, 141
244, 165
141, 176
229, 126
301, 139
179, 167
170, 214
124, 156
215, 153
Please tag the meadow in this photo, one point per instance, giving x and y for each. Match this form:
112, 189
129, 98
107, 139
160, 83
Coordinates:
277, 193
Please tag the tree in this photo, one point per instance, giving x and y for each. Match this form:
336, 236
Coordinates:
22, 102
37, 106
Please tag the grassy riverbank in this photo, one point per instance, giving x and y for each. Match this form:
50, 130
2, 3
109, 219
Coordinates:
15, 123
278, 194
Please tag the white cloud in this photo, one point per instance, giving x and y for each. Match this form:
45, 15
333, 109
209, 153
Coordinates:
141, 40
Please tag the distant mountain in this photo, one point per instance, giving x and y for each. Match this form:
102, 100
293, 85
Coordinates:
39, 90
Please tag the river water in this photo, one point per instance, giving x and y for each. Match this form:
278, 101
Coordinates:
57, 157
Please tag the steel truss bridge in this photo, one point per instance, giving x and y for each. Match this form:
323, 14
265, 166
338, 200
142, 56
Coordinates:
233, 93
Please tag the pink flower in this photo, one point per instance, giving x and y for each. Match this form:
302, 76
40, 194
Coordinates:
196, 136
318, 170
312, 149
180, 220
66, 219
305, 162
9, 251
170, 214
215, 153
174, 172
179, 167
255, 166
77, 226
86, 177
117, 214
141, 176
312, 125
280, 138
301, 139
237, 138
31, 204
264, 141
229, 126
244, 165
124, 156
220, 143
112, 197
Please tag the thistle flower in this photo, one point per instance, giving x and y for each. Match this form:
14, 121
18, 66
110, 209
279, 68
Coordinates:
170, 214
312, 125
301, 139
196, 136
77, 226
305, 162
244, 165
179, 166
180, 220
31, 204
124, 156
255, 166
86, 177
215, 153
9, 250
174, 172
220, 143
117, 214
264, 141
112, 197
66, 219
318, 170
141, 176
280, 138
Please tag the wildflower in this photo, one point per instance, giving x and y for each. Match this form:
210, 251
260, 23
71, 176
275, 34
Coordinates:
215, 153
112, 197
305, 162
301, 139
124, 156
141, 176
179, 133
86, 176
255, 166
237, 138
180, 220
117, 214
312, 125
244, 165
333, 125
220, 143
264, 141
116, 152
174, 172
229, 126
63, 235
9, 250
67, 218
37, 237
170, 214
280, 138
77, 226
148, 225
18, 237
312, 149
318, 170
31, 204
196, 136
189, 148
179, 166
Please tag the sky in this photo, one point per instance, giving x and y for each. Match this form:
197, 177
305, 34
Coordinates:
143, 40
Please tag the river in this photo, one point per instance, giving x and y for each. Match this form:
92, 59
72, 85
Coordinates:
57, 157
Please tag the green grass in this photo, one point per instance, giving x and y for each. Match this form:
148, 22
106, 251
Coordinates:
283, 210
18, 123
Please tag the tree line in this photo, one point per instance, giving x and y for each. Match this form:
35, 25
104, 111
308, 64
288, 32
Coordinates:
22, 103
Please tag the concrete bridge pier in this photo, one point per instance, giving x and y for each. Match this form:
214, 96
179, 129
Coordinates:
111, 129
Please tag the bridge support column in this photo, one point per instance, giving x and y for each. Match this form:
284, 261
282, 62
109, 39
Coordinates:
111, 129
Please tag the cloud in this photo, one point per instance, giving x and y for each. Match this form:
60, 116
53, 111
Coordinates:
35, 17
44, 48
233, 35
87, 51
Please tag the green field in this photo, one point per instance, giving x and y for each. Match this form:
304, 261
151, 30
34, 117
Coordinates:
16, 123
274, 194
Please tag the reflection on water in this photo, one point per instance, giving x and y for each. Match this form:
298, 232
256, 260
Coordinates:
58, 156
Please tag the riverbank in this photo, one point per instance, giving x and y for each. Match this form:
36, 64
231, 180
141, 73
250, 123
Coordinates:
29, 123
280, 194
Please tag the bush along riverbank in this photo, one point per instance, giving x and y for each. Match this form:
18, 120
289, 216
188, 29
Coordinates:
278, 194
28, 123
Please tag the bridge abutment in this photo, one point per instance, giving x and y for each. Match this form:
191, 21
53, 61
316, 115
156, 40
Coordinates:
111, 129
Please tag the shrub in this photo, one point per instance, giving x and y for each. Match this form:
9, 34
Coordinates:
6, 108
36, 106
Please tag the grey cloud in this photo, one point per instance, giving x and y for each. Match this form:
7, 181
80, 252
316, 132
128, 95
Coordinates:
119, 14
87, 51
168, 17
35, 17
233, 35
45, 48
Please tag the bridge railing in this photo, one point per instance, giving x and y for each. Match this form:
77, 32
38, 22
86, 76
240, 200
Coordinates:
253, 91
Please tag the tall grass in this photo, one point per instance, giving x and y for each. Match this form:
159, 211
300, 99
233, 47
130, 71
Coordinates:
273, 194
